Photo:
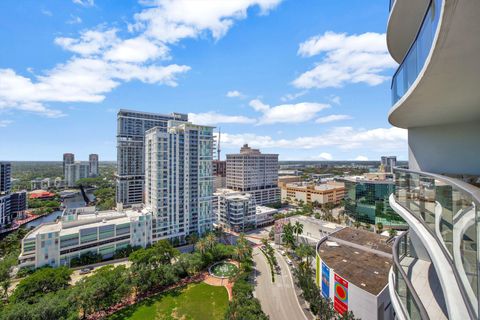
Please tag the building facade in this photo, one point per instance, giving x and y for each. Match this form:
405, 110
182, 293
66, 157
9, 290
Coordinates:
366, 201
131, 127
330, 192
388, 163
352, 268
234, 210
85, 230
75, 172
93, 163
179, 179
219, 174
435, 97
254, 172
68, 158
5, 177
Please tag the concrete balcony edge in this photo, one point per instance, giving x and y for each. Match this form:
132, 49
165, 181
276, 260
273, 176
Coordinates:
396, 303
453, 297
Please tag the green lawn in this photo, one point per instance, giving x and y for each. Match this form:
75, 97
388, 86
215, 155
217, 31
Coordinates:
196, 301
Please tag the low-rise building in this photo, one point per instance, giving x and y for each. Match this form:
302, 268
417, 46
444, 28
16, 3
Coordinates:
36, 184
352, 268
330, 192
234, 210
288, 179
264, 216
84, 230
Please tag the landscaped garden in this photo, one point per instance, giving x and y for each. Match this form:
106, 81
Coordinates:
224, 269
196, 301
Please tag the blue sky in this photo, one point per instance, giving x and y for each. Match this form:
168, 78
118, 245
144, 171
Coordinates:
308, 79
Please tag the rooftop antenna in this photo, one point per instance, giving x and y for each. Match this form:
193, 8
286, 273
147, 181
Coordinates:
218, 143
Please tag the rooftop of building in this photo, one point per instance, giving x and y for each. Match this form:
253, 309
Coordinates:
372, 177
363, 258
38, 194
247, 150
263, 210
89, 218
330, 185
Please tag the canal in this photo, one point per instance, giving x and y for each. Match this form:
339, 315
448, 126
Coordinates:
74, 202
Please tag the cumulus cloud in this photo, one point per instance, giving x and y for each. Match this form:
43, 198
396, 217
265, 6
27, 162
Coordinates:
213, 118
102, 60
346, 59
333, 117
74, 20
84, 3
389, 139
5, 123
324, 156
172, 20
287, 113
293, 96
361, 158
234, 94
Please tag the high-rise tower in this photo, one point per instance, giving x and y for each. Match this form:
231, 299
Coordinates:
131, 127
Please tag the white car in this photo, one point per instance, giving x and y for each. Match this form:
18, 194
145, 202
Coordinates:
289, 262
283, 252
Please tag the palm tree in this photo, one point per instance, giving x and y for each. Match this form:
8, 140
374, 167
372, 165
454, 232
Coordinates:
305, 251
201, 246
287, 235
298, 229
210, 241
192, 238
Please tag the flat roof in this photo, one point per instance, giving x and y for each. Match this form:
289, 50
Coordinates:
367, 267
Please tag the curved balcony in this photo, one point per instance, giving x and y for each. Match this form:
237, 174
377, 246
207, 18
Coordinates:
414, 61
444, 212
404, 297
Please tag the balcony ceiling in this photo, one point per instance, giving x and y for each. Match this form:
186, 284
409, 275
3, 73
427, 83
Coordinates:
403, 24
448, 88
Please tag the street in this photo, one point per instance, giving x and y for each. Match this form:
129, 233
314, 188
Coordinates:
278, 299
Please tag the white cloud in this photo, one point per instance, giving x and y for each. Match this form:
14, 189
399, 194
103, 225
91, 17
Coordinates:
90, 42
388, 139
324, 156
5, 123
293, 96
137, 49
335, 99
172, 20
213, 118
74, 20
333, 117
361, 158
234, 94
46, 12
102, 59
345, 59
287, 113
85, 3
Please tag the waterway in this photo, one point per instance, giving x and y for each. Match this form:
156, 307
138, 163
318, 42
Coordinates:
74, 202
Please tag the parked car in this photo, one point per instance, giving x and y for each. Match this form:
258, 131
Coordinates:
85, 270
283, 253
289, 262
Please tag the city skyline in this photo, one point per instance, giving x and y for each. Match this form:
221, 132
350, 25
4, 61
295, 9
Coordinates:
304, 80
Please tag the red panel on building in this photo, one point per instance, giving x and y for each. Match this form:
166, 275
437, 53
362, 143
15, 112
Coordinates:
340, 300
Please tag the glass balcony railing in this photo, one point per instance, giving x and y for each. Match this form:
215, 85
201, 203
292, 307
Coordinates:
450, 210
416, 56
390, 6
411, 304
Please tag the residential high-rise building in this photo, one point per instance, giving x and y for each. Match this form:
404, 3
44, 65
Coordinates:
75, 172
93, 162
435, 97
5, 177
131, 127
388, 163
254, 172
68, 158
10, 203
179, 179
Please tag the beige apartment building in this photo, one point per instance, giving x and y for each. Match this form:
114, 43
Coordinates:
330, 192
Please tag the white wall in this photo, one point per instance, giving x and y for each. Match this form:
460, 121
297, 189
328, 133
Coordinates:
453, 149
